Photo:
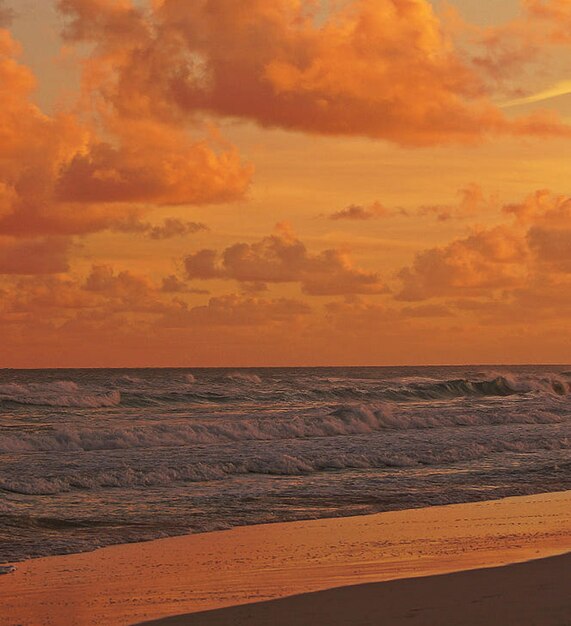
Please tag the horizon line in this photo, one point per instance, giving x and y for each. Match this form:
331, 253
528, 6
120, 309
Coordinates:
205, 367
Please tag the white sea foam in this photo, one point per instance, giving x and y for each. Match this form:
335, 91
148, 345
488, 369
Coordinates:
286, 461
66, 393
63, 393
73, 438
342, 421
489, 384
435, 419
130, 380
246, 377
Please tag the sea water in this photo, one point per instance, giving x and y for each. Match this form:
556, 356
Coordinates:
94, 457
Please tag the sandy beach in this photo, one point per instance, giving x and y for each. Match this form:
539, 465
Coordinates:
257, 565
525, 594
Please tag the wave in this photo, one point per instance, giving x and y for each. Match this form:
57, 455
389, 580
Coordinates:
433, 419
335, 390
245, 377
341, 421
63, 393
499, 385
130, 380
285, 462
207, 432
234, 387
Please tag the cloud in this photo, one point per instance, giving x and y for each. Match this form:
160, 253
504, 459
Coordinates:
521, 61
170, 228
552, 246
561, 88
173, 284
472, 202
122, 304
173, 227
46, 296
543, 298
124, 292
203, 265
541, 207
548, 219
90, 169
106, 294
103, 279
511, 257
6, 15
364, 316
153, 163
234, 310
378, 68
33, 147
283, 258
34, 256
487, 259
557, 16
360, 212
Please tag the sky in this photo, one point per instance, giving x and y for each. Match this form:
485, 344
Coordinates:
295, 182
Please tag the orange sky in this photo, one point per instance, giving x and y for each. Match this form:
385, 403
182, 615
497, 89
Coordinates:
294, 182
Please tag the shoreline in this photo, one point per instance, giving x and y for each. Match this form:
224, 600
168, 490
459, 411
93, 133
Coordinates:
9, 566
132, 583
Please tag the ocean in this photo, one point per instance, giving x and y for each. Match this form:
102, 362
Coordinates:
95, 457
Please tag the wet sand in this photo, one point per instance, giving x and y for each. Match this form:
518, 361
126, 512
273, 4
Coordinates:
527, 594
188, 575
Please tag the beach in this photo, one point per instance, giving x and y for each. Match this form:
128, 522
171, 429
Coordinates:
285, 289
342, 566
485, 596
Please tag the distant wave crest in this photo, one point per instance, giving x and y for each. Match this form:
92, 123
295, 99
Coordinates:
245, 377
63, 393
486, 385
133, 391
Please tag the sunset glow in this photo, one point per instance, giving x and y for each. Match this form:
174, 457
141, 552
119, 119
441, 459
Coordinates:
294, 182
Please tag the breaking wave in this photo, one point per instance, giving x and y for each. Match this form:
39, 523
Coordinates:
341, 421
63, 393
500, 385
245, 377
206, 432
133, 391
433, 419
246, 386
287, 462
